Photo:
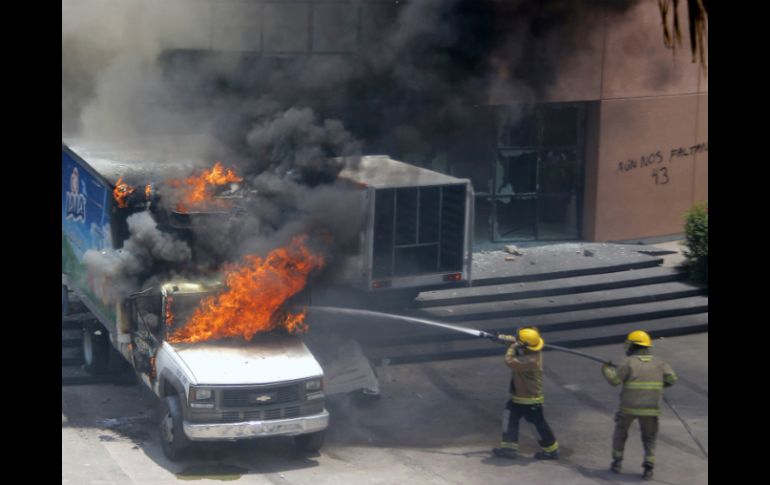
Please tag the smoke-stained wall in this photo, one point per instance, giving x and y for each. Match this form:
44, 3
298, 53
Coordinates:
400, 77
636, 63
650, 162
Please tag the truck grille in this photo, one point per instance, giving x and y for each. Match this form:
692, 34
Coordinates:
308, 409
256, 398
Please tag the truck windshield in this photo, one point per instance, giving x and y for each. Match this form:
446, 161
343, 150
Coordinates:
179, 309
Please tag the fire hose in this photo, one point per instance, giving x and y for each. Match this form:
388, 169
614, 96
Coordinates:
606, 362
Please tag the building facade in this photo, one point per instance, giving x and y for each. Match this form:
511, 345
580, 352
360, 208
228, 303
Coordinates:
607, 140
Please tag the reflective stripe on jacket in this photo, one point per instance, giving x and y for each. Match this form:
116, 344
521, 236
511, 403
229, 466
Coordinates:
527, 375
643, 377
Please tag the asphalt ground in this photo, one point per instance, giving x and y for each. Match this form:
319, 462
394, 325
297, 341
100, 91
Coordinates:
435, 423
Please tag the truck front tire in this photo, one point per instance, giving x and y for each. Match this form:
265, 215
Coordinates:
96, 348
310, 441
172, 438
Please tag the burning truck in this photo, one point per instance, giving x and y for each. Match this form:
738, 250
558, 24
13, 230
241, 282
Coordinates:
218, 341
210, 390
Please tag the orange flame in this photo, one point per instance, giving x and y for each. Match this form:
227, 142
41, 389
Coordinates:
254, 295
153, 368
148, 191
198, 190
169, 314
121, 193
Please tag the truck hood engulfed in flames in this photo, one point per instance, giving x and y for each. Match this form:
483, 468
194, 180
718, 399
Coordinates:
255, 294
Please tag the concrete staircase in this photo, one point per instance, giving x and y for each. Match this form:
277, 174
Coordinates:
574, 301
574, 308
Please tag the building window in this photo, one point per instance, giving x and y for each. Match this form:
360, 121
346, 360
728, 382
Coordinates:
537, 188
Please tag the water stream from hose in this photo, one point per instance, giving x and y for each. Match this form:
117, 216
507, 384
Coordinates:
372, 314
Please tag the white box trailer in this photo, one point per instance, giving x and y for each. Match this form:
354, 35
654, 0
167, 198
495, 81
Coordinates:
418, 230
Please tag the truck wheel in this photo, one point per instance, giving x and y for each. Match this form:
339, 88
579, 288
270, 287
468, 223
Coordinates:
310, 441
96, 348
172, 438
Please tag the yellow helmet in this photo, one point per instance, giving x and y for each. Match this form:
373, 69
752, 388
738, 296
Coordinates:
639, 337
531, 337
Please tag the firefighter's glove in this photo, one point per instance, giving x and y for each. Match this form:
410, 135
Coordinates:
493, 337
610, 373
509, 339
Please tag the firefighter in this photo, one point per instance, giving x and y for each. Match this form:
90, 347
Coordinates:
525, 359
643, 377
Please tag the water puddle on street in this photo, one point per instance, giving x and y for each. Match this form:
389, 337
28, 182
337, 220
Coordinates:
216, 471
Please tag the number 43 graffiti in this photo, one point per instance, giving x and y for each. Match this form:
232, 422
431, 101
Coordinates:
660, 175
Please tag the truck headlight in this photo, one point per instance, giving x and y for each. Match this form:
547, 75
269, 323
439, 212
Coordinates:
314, 385
202, 398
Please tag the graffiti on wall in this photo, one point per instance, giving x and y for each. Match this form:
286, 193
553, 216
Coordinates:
657, 161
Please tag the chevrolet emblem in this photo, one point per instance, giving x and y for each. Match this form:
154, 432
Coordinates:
263, 398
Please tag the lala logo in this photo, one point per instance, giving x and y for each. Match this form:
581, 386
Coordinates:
76, 202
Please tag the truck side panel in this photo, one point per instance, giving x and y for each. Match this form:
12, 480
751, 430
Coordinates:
85, 224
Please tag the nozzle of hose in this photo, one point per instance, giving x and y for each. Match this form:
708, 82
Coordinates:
498, 337
493, 336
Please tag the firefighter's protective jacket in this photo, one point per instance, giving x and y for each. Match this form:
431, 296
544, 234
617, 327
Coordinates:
527, 375
643, 377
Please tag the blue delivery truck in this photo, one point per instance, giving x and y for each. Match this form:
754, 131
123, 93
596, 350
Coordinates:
208, 391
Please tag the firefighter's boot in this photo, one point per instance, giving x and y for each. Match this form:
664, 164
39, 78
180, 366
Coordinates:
615, 466
547, 455
509, 453
550, 452
647, 473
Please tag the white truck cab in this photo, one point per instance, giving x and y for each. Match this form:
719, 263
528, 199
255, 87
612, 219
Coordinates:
222, 390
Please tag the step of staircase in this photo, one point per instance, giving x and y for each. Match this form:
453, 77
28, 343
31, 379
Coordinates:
71, 357
71, 342
71, 334
380, 332
538, 289
75, 306
476, 347
561, 303
565, 273
76, 320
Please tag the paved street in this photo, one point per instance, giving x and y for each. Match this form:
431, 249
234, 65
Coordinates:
436, 423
